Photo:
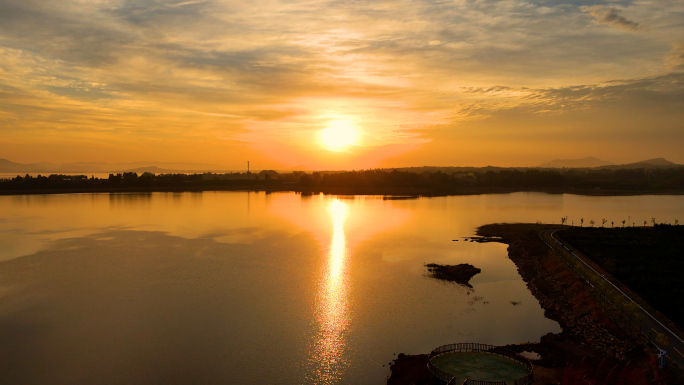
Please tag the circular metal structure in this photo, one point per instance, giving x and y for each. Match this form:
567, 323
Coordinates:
479, 364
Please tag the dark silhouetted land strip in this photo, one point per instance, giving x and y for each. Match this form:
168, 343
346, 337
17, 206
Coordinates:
372, 182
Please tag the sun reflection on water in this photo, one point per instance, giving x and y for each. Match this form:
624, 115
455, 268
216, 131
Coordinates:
331, 306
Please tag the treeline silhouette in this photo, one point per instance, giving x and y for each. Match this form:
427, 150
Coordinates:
391, 180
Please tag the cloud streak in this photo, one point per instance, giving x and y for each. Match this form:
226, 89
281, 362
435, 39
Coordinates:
609, 16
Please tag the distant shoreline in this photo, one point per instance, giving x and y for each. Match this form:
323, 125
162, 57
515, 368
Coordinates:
367, 182
384, 191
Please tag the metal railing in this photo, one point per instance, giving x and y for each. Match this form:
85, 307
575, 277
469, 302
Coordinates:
479, 348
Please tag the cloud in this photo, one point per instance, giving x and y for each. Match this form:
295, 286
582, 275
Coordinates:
663, 94
626, 119
154, 69
609, 16
675, 58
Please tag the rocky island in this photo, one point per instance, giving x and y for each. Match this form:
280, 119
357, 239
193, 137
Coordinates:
460, 274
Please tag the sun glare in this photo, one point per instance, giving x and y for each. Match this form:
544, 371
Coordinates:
339, 135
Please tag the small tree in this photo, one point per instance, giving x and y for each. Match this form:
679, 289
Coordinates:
676, 222
581, 222
592, 222
653, 220
623, 223
563, 220
645, 222
603, 222
612, 223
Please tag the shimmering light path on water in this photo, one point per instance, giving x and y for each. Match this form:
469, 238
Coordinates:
331, 309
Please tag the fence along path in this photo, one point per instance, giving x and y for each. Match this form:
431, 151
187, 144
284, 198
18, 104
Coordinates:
627, 306
480, 348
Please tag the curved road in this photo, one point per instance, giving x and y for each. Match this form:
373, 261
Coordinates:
649, 326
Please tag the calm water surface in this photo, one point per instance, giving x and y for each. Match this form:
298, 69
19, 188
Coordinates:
236, 287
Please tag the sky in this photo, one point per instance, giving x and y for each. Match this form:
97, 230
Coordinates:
333, 84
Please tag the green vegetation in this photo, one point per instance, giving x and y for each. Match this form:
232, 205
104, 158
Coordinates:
648, 260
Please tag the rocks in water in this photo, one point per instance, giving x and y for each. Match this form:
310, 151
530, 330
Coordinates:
410, 370
460, 274
482, 239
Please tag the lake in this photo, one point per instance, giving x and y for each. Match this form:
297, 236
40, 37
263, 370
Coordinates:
238, 287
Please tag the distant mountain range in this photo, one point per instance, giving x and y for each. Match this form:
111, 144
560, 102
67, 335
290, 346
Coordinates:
650, 163
598, 163
7, 166
576, 163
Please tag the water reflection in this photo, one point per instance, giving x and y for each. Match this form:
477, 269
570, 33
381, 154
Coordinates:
136, 199
331, 306
299, 290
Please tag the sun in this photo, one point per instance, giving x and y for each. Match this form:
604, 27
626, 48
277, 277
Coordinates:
339, 135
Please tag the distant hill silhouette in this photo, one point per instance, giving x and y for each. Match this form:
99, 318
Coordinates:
450, 169
576, 163
650, 163
153, 170
299, 168
7, 166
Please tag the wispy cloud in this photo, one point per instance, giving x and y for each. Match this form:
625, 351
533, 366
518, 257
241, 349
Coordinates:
609, 16
619, 119
675, 58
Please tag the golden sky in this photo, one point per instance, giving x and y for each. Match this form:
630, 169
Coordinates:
341, 84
